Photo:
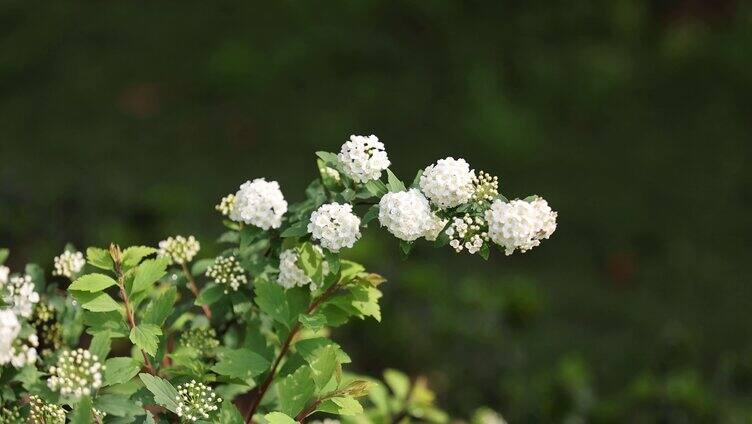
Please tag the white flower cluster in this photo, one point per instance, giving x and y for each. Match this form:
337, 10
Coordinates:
448, 183
69, 264
196, 401
179, 249
42, 412
4, 274
290, 274
335, 226
19, 293
363, 158
486, 187
227, 271
406, 214
434, 229
78, 373
225, 205
9, 329
520, 224
21, 354
467, 233
260, 203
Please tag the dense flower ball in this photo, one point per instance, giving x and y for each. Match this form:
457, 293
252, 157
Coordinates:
69, 264
363, 158
78, 373
260, 203
520, 224
290, 274
202, 339
9, 329
448, 183
19, 293
42, 412
406, 214
335, 226
227, 271
225, 205
179, 249
196, 401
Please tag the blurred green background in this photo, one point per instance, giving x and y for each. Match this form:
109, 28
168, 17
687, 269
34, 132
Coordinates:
127, 121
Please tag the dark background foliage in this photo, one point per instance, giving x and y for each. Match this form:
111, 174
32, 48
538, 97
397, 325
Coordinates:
127, 121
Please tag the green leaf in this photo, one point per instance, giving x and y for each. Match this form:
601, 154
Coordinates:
279, 418
92, 283
133, 255
311, 261
299, 229
393, 183
96, 302
241, 363
4, 253
314, 322
398, 382
229, 414
164, 393
100, 345
376, 188
371, 214
161, 308
99, 258
416, 180
341, 405
405, 248
323, 363
200, 266
82, 412
146, 337
328, 157
115, 405
120, 370
210, 294
484, 251
270, 297
295, 390
148, 273
307, 347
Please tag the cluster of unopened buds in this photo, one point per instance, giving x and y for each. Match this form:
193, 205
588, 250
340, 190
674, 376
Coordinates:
11, 415
49, 331
227, 271
225, 205
196, 401
467, 233
202, 339
78, 373
42, 412
179, 249
486, 187
68, 264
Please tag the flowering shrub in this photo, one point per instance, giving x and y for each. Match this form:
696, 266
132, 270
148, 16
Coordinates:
153, 334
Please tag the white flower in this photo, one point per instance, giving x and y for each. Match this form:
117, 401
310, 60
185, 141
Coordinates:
4, 273
196, 401
520, 224
434, 229
225, 205
335, 226
290, 274
19, 293
448, 183
228, 272
69, 264
406, 214
467, 233
363, 158
260, 203
24, 353
179, 249
9, 329
77, 373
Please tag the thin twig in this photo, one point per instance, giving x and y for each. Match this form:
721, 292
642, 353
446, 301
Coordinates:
194, 289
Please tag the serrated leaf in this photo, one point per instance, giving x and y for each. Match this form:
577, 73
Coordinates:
313, 322
371, 214
229, 414
210, 294
341, 405
295, 390
323, 363
164, 393
92, 283
299, 229
133, 255
200, 266
279, 418
99, 258
82, 412
161, 308
96, 302
307, 347
120, 370
115, 405
270, 297
146, 337
241, 363
328, 157
100, 345
148, 272
376, 188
